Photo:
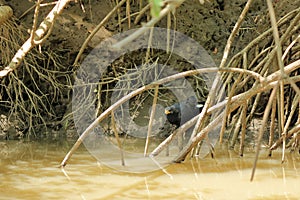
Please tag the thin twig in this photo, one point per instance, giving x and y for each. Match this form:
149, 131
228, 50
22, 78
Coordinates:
171, 6
32, 7
35, 20
142, 11
152, 115
128, 13
96, 29
113, 123
244, 126
272, 126
289, 134
262, 128
226, 113
290, 47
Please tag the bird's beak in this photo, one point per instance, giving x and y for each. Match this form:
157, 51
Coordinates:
167, 112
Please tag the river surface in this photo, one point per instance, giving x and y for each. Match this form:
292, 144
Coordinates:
29, 170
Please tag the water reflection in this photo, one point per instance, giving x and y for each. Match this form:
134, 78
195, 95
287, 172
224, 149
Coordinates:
29, 170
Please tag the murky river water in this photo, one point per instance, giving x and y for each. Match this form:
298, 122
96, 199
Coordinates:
30, 171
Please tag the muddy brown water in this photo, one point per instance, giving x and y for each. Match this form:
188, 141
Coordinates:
29, 170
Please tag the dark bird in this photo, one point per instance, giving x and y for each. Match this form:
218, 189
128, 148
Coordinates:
180, 113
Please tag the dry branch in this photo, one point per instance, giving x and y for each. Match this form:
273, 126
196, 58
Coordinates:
261, 130
40, 34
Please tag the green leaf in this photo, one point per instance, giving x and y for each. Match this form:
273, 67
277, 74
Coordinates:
155, 7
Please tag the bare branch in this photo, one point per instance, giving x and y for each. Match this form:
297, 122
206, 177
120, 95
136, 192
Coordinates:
40, 34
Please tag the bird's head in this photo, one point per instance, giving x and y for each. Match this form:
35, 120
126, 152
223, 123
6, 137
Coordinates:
168, 111
172, 109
